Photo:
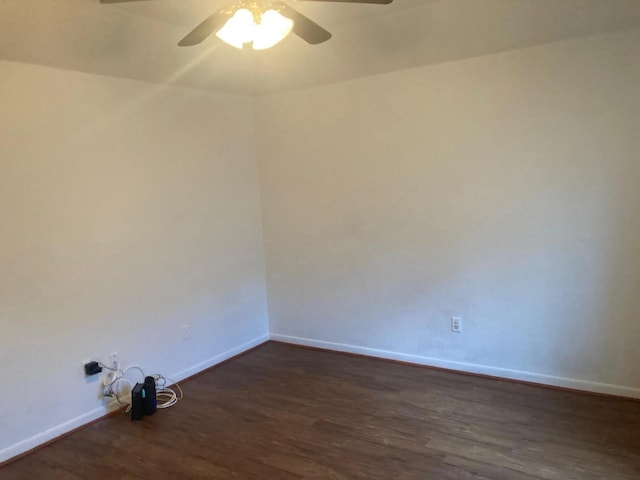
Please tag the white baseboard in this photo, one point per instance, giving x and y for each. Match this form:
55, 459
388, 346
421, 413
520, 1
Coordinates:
506, 373
576, 384
54, 432
43, 437
219, 358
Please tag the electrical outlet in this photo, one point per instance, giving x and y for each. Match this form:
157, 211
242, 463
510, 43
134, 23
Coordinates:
456, 324
113, 360
112, 374
185, 332
107, 390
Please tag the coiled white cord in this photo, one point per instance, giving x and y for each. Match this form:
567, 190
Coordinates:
169, 396
166, 397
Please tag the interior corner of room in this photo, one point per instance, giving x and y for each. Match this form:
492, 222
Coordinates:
180, 225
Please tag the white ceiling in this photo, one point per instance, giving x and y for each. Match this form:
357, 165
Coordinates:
139, 40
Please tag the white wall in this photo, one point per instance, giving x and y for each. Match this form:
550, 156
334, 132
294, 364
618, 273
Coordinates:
503, 189
126, 211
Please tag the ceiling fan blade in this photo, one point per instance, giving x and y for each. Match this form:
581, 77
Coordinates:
201, 32
376, 2
305, 28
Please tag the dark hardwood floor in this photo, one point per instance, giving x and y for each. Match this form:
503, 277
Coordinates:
283, 412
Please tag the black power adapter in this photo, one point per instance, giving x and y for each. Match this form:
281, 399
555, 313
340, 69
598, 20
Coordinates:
137, 398
149, 400
143, 399
92, 368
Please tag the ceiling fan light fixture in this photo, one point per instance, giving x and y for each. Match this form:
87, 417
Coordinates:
264, 29
272, 29
238, 30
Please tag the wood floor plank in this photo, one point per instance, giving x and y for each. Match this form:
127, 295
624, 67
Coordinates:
290, 413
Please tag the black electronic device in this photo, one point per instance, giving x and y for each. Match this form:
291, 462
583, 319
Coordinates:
137, 402
92, 368
149, 401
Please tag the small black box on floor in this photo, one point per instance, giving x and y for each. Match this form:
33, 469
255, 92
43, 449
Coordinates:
137, 406
149, 401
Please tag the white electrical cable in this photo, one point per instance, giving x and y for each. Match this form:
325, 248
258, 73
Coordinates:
115, 391
165, 396
135, 367
168, 395
112, 387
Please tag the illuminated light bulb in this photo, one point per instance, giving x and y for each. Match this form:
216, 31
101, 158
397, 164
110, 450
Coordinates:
242, 28
272, 29
238, 30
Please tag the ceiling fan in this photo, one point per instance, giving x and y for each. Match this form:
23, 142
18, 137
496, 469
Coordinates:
263, 23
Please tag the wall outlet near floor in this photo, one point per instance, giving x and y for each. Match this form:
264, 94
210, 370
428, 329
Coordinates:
185, 331
456, 324
113, 360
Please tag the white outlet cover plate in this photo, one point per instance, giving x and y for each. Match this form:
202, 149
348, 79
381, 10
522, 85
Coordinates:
456, 324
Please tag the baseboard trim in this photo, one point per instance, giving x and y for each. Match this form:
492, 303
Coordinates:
202, 367
468, 368
41, 440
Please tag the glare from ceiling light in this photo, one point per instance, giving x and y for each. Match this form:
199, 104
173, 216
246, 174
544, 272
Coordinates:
238, 30
272, 29
264, 31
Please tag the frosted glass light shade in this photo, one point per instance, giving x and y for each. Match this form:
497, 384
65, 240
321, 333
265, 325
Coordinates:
242, 28
238, 30
273, 28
